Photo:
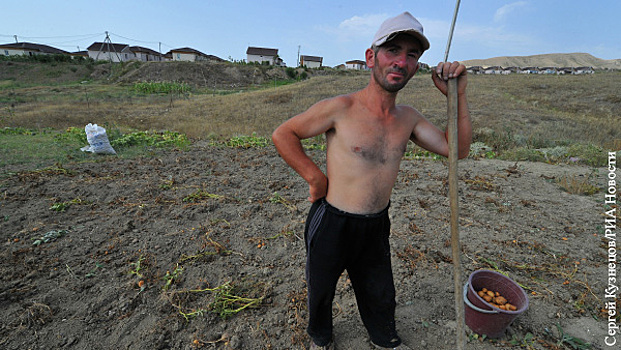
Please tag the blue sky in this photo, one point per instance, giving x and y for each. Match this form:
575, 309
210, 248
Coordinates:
336, 30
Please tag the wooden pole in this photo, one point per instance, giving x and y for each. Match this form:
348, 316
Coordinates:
454, 202
452, 129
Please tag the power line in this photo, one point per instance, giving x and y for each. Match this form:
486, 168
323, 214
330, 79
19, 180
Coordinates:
54, 37
77, 38
138, 41
142, 41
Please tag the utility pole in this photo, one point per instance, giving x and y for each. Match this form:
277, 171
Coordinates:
15, 36
108, 42
160, 49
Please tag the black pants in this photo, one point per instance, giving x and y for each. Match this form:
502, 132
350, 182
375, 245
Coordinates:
338, 241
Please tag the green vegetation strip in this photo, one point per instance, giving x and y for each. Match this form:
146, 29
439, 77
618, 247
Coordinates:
161, 88
40, 148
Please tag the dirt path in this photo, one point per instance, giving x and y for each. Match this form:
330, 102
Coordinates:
187, 222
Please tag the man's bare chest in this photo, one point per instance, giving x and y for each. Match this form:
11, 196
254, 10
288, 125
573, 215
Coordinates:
372, 143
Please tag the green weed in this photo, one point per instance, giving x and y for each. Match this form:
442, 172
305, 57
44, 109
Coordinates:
566, 339
92, 273
150, 138
228, 303
252, 141
284, 233
167, 184
277, 198
314, 143
171, 277
49, 236
62, 206
227, 299
72, 135
475, 336
527, 342
137, 267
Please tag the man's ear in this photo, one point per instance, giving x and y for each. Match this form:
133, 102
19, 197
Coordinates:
370, 57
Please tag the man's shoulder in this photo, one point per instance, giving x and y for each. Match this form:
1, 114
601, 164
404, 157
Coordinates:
336, 103
409, 111
406, 109
343, 101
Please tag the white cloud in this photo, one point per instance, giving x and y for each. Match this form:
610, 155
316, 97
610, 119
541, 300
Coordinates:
356, 28
435, 29
363, 24
506, 10
477, 41
474, 37
489, 36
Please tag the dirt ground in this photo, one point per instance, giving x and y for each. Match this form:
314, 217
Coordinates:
127, 254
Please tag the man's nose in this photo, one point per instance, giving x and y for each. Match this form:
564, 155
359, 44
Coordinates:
400, 60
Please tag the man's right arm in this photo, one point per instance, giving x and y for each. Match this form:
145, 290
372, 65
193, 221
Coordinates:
287, 138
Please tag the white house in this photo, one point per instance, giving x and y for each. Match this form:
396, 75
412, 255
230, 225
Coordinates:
356, 64
110, 52
509, 70
548, 70
564, 70
29, 49
260, 55
475, 70
190, 54
311, 61
493, 70
583, 70
529, 70
145, 54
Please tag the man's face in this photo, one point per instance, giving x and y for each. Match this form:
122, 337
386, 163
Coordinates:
396, 62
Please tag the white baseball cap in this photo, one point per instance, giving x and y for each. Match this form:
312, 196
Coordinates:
404, 23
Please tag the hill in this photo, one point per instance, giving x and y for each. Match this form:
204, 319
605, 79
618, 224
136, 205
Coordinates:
548, 60
223, 75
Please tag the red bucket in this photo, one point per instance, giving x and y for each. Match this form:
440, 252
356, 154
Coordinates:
484, 318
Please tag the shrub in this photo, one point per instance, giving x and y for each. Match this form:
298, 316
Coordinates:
578, 184
291, 72
587, 154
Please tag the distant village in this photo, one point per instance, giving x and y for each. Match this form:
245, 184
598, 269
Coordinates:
530, 70
116, 52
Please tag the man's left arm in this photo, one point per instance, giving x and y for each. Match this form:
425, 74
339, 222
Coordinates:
455, 70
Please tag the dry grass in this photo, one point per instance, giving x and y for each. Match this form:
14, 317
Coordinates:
536, 111
578, 184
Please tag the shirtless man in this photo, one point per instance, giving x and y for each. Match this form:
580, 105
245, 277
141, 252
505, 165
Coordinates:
366, 135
